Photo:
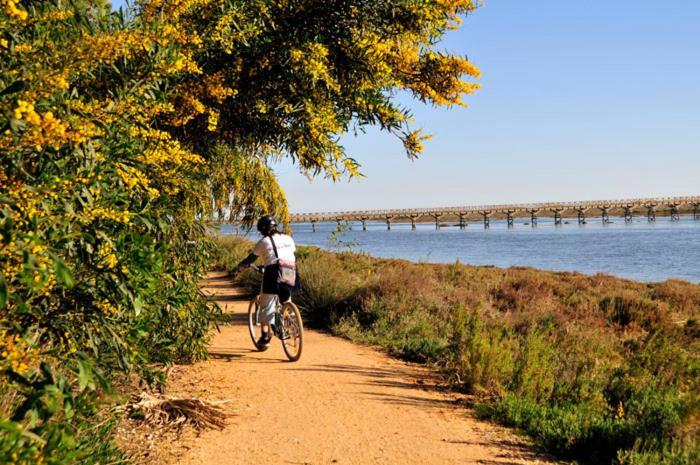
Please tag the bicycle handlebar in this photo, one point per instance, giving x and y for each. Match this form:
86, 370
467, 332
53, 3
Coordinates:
259, 269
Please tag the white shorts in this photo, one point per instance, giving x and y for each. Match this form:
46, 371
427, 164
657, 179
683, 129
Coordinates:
268, 303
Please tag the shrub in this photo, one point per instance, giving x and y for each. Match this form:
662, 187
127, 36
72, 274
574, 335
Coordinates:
100, 247
325, 287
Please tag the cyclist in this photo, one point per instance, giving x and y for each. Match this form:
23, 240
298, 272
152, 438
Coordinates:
273, 247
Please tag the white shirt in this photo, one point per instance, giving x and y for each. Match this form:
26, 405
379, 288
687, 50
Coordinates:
285, 249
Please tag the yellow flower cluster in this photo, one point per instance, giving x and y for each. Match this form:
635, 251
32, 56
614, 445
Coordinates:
174, 8
24, 48
10, 7
43, 129
25, 111
413, 141
17, 353
107, 307
322, 121
261, 106
178, 35
134, 178
313, 61
36, 269
228, 35
164, 150
100, 213
57, 15
184, 62
190, 106
52, 129
215, 88
57, 81
26, 202
106, 256
441, 79
109, 47
213, 120
12, 261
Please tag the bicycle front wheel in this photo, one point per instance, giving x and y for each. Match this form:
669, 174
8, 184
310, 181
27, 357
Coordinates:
294, 331
253, 320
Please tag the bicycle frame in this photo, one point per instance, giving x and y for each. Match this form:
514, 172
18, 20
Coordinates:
285, 315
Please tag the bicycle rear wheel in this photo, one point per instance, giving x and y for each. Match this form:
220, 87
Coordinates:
254, 327
294, 328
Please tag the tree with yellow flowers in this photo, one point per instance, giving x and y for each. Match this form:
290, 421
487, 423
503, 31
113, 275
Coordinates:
287, 78
120, 133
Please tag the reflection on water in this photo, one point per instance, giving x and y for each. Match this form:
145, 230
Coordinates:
639, 250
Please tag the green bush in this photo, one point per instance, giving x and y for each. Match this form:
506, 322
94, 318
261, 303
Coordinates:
99, 261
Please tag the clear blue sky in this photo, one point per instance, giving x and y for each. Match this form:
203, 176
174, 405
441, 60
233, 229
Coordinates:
580, 100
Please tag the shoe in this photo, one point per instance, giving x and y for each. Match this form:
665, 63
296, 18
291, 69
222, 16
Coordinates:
264, 342
280, 332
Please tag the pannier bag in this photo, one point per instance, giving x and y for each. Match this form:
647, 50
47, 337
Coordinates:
286, 269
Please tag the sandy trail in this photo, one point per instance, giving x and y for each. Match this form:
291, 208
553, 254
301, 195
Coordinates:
340, 404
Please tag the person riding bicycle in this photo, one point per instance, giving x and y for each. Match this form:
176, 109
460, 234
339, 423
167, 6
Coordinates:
272, 248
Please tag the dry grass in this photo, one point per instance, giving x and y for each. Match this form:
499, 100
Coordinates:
167, 413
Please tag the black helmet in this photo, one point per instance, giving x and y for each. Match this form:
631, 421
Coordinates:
265, 224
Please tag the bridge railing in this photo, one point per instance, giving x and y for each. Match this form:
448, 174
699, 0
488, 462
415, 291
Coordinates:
495, 208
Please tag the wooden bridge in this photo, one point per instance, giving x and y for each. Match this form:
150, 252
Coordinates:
672, 206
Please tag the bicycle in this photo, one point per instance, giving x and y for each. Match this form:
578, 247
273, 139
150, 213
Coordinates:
288, 326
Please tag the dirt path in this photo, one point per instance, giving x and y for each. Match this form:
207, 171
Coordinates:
341, 403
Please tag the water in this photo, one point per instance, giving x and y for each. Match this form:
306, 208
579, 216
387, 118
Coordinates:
639, 250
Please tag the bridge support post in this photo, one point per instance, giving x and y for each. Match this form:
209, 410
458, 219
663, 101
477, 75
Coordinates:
437, 220
674, 212
462, 224
509, 218
313, 225
651, 213
487, 219
696, 211
413, 222
628, 213
388, 222
364, 223
533, 217
581, 215
605, 215
557, 217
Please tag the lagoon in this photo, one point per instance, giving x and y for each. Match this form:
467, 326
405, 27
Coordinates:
639, 250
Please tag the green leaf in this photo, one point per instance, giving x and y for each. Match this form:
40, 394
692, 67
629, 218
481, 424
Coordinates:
16, 428
85, 378
67, 440
69, 407
3, 291
63, 274
17, 86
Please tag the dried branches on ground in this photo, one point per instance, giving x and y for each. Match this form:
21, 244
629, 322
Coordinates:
168, 413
